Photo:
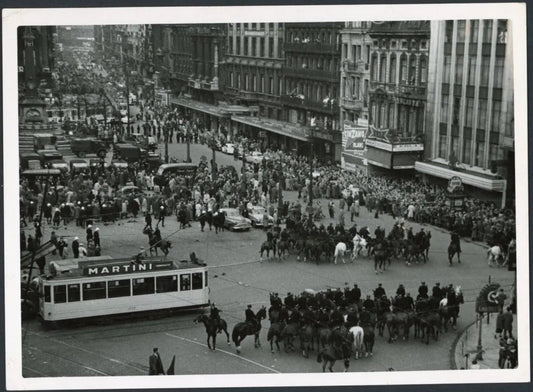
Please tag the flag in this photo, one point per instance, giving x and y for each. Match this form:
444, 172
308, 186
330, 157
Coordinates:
170, 371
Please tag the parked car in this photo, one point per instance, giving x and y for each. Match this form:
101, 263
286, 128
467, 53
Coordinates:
30, 161
129, 152
60, 164
256, 214
234, 220
229, 148
48, 155
254, 157
78, 164
81, 147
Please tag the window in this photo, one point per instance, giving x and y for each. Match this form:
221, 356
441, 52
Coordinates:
472, 61
261, 47
498, 72
482, 114
393, 44
231, 80
60, 294
469, 112
253, 47
423, 44
447, 68
403, 68
383, 70
262, 87
238, 46
502, 32
392, 69
494, 150
444, 110
95, 290
423, 70
238, 80
118, 288
443, 145
271, 85
344, 51
185, 282
412, 70
459, 69
254, 82
480, 153
496, 114
246, 82
487, 31
270, 47
449, 31
485, 66
166, 284
474, 30
245, 39
73, 292
461, 24
47, 296
467, 146
142, 286
197, 281
205, 274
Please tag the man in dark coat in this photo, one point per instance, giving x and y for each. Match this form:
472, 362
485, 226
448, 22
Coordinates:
250, 316
76, 247
89, 233
61, 244
436, 291
423, 291
155, 364
379, 292
96, 237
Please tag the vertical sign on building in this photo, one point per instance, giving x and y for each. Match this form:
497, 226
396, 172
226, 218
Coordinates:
353, 138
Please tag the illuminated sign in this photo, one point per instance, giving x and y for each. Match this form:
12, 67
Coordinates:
125, 268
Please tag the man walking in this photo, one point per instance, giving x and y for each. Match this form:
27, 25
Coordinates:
76, 247
155, 364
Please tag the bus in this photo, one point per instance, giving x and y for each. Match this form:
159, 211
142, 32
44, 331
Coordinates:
102, 286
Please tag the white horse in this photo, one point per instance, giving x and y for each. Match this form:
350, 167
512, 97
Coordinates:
359, 243
495, 255
358, 339
340, 250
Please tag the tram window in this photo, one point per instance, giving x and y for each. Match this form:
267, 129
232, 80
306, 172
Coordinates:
205, 279
47, 296
143, 286
197, 281
73, 292
185, 282
60, 294
95, 290
118, 288
166, 284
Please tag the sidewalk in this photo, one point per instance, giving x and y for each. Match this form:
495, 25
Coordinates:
467, 343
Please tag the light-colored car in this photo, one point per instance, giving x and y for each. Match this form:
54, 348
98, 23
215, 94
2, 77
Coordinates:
234, 220
254, 157
256, 214
228, 148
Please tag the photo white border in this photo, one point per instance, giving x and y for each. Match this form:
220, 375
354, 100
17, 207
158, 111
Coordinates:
516, 12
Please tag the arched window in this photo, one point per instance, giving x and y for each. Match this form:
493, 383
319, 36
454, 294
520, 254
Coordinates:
392, 69
423, 72
403, 68
383, 69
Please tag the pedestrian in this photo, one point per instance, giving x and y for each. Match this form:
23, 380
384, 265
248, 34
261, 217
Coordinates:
508, 324
148, 220
96, 237
500, 298
353, 211
341, 204
61, 245
499, 325
161, 216
76, 248
155, 363
202, 218
53, 240
41, 263
331, 209
89, 233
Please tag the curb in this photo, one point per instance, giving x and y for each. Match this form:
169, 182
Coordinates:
453, 362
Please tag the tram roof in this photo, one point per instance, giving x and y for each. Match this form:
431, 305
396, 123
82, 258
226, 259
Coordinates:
106, 266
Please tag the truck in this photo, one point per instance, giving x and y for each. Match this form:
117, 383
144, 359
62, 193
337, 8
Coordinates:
83, 146
129, 152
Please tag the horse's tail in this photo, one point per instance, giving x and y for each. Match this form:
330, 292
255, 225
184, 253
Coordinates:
320, 356
359, 339
235, 334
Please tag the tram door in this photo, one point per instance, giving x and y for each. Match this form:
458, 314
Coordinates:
42, 297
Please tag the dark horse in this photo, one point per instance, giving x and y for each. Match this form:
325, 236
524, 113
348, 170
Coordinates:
213, 327
268, 246
243, 329
454, 249
156, 242
449, 308
340, 348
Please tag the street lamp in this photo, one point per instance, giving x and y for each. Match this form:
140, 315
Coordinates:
212, 145
188, 141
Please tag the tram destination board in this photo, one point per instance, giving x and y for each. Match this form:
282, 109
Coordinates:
123, 268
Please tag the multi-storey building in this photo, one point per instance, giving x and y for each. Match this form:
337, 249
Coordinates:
354, 84
397, 94
311, 78
253, 66
470, 120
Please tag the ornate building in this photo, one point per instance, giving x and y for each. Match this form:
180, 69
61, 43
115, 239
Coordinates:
397, 94
470, 113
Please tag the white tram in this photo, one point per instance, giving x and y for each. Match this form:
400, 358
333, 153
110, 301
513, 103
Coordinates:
100, 286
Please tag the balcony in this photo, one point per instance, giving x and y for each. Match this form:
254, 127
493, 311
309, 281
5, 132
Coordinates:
358, 66
310, 47
352, 103
294, 101
314, 74
251, 95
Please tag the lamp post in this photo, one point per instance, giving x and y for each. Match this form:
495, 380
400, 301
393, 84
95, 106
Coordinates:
165, 133
188, 140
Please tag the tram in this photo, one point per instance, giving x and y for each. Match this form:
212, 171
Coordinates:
102, 286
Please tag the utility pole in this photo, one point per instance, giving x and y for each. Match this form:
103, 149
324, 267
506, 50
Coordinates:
188, 141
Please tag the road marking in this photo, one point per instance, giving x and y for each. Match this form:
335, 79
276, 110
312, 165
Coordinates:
96, 371
35, 371
91, 352
224, 351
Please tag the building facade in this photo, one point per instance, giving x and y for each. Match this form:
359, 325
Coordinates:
311, 79
470, 119
354, 86
397, 95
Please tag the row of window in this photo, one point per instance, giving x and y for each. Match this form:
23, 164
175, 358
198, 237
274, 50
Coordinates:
407, 120
466, 156
323, 63
357, 53
256, 47
482, 114
408, 69
311, 36
124, 287
471, 70
471, 30
353, 88
312, 91
404, 44
255, 83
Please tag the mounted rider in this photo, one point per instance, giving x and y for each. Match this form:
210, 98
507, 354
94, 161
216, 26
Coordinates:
250, 317
379, 292
456, 241
214, 313
422, 291
369, 304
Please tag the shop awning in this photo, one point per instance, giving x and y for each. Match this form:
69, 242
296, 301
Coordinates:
280, 127
478, 180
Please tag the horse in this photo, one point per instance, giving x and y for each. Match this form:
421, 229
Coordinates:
369, 339
495, 256
288, 333
340, 250
426, 243
218, 221
339, 348
359, 243
307, 336
454, 249
380, 256
212, 328
243, 329
283, 248
324, 336
429, 323
449, 308
358, 337
275, 332
156, 242
268, 246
